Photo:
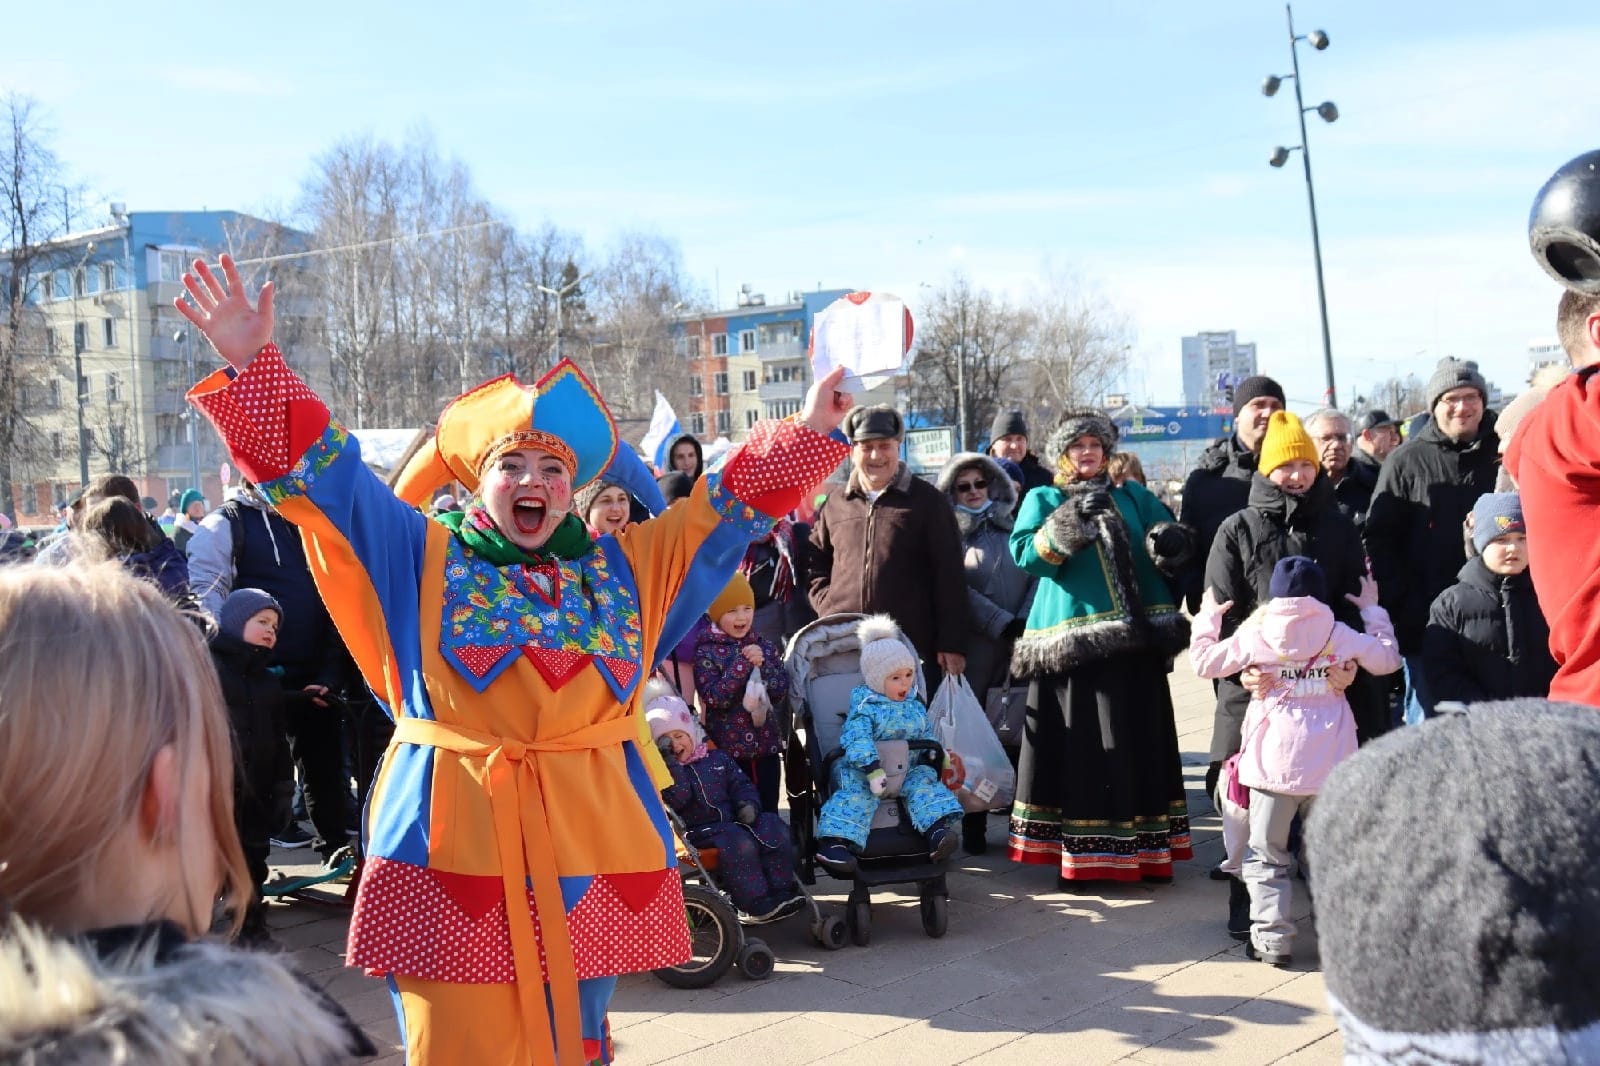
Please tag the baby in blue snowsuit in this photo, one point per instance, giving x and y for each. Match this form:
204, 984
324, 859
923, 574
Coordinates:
885, 708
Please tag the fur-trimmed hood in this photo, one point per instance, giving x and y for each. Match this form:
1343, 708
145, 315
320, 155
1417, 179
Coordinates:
157, 1000
1001, 490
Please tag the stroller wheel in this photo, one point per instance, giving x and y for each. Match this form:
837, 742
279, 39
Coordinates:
756, 960
714, 936
935, 913
830, 933
858, 916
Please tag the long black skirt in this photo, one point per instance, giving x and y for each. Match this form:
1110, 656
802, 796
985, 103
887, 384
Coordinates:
1100, 785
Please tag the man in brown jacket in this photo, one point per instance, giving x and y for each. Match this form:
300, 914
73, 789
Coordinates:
889, 543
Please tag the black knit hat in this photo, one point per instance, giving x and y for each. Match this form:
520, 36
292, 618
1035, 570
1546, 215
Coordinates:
1254, 387
1007, 423
1453, 373
1457, 893
1075, 424
1297, 575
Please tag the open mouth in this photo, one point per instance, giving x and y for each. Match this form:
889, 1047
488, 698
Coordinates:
528, 515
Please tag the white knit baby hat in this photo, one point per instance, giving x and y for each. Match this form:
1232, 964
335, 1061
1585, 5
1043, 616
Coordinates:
882, 650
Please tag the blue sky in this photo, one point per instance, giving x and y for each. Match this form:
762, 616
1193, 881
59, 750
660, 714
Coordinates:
887, 145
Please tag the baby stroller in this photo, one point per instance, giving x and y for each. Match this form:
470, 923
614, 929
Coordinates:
716, 926
823, 660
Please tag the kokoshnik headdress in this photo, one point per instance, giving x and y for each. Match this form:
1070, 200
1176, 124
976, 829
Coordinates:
562, 415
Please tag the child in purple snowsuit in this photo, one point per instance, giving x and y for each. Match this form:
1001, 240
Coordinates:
718, 805
727, 656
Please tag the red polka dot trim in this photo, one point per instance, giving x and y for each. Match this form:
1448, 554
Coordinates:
778, 462
266, 415
417, 922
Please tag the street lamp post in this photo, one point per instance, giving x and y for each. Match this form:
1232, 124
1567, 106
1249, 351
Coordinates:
1280, 155
79, 342
191, 416
561, 294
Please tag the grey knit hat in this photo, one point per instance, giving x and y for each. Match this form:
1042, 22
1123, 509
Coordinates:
1075, 424
1006, 423
243, 605
1453, 373
1494, 515
1457, 893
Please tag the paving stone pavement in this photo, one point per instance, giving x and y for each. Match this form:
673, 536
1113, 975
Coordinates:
1026, 974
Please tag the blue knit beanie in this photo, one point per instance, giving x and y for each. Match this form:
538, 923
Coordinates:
1296, 575
1496, 514
189, 496
241, 606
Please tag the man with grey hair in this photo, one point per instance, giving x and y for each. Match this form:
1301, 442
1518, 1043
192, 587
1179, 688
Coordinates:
1353, 482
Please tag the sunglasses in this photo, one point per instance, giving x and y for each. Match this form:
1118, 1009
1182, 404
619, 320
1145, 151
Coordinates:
971, 486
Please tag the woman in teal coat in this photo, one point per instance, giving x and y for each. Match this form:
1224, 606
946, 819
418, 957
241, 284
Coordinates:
1100, 787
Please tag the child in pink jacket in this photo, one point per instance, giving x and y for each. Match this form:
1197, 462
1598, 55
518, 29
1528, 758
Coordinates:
1302, 729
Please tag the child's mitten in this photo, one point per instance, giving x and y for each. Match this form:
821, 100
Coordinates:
878, 781
746, 813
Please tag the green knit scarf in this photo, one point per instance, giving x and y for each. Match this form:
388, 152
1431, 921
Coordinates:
474, 528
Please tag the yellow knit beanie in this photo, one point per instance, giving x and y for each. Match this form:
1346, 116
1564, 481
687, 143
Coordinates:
737, 594
1286, 441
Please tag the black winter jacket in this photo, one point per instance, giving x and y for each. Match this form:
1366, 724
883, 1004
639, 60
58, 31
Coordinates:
1239, 568
1413, 531
1354, 493
1487, 639
1034, 474
1218, 486
256, 702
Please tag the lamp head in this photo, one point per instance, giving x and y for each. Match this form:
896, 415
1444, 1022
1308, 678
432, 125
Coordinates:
1270, 84
1279, 156
1327, 111
1318, 40
1564, 226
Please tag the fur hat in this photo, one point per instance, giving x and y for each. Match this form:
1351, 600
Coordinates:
1286, 440
883, 651
738, 593
1297, 575
1253, 388
873, 422
665, 711
1075, 424
243, 605
1484, 947
1452, 373
1496, 514
1006, 424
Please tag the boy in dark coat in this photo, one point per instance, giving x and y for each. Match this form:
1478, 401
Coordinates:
263, 775
718, 805
1486, 637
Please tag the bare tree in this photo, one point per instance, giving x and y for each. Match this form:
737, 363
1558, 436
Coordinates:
633, 298
970, 341
1401, 397
1079, 347
35, 210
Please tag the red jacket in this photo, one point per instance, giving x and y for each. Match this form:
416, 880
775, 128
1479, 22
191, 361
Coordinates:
1555, 459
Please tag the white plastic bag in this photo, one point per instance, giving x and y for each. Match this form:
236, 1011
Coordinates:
979, 773
756, 700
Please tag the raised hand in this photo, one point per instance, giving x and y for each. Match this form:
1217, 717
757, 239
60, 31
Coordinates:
1208, 602
221, 311
825, 405
1368, 596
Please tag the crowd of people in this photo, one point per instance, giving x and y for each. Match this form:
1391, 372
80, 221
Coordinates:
576, 640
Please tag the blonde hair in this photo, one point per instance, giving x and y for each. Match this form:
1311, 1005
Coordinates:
1125, 466
98, 673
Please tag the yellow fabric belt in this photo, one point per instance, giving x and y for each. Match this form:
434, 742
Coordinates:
513, 775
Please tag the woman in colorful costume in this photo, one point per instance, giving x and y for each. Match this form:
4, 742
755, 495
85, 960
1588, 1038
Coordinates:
510, 648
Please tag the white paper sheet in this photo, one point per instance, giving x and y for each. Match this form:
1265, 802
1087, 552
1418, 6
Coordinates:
868, 339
